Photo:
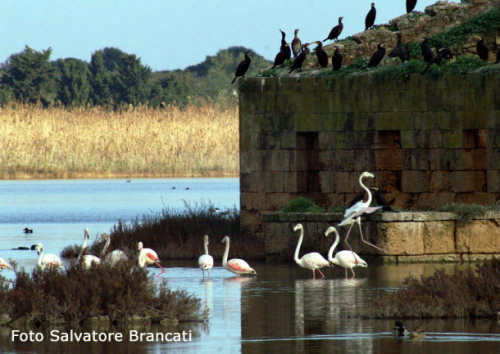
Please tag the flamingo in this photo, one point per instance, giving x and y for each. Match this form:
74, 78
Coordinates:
345, 259
4, 264
87, 260
148, 256
206, 261
352, 215
312, 260
235, 265
114, 257
47, 260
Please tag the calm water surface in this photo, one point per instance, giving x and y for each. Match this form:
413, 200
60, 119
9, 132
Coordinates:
280, 310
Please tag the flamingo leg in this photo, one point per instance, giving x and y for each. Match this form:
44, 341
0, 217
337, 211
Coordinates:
347, 236
314, 274
162, 270
353, 275
364, 241
320, 272
345, 272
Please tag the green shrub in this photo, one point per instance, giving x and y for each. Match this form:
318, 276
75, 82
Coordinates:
302, 204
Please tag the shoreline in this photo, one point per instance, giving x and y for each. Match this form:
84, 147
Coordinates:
23, 176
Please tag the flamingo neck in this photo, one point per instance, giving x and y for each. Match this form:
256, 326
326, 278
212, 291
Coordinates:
369, 200
333, 246
40, 257
106, 245
141, 260
205, 245
297, 249
226, 253
82, 250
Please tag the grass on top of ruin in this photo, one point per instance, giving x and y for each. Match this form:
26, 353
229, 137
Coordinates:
195, 141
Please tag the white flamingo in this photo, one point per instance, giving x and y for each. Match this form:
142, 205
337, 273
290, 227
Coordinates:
353, 214
87, 260
235, 265
47, 260
346, 259
148, 256
312, 260
4, 264
114, 257
205, 261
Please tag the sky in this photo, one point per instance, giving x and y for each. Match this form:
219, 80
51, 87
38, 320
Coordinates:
174, 34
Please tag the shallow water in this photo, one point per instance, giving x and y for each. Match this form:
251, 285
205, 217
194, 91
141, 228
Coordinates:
281, 309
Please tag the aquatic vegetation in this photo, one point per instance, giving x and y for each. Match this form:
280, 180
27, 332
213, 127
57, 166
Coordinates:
75, 295
468, 293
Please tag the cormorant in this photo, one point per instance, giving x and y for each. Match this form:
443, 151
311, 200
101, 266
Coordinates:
336, 31
370, 17
380, 199
377, 56
27, 230
399, 330
441, 54
482, 49
321, 55
296, 44
282, 55
242, 67
427, 51
401, 51
299, 60
285, 47
336, 59
410, 5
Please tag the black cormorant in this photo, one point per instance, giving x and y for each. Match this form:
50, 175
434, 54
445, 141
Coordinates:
336, 31
285, 47
377, 56
296, 44
321, 55
336, 59
399, 330
281, 56
427, 51
242, 67
27, 230
400, 50
482, 49
299, 60
410, 5
370, 17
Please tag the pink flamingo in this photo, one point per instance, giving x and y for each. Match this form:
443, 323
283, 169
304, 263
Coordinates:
114, 257
4, 264
345, 259
148, 256
353, 214
205, 261
235, 265
312, 260
87, 260
47, 260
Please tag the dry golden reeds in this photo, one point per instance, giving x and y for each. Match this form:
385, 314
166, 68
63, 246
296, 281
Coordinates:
138, 142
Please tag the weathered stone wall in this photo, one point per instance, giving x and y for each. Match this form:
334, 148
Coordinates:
428, 142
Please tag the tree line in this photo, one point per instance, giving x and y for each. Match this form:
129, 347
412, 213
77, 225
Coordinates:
115, 79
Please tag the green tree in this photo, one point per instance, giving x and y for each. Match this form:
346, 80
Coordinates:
100, 81
73, 82
31, 76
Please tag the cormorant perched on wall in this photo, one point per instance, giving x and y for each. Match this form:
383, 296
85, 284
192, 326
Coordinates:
285, 47
427, 51
442, 53
482, 49
498, 55
321, 55
336, 59
410, 5
283, 55
370, 17
296, 44
336, 31
242, 67
299, 60
377, 56
401, 51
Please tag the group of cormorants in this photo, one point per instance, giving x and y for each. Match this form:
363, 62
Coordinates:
401, 51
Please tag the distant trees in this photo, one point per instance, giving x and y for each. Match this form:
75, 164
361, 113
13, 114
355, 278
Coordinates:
114, 78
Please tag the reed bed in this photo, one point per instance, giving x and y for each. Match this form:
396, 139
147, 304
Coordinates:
138, 142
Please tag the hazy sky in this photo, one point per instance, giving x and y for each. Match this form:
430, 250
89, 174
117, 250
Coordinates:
173, 34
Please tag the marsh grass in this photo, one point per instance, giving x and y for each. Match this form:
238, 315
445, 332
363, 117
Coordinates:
467, 212
139, 142
469, 293
45, 298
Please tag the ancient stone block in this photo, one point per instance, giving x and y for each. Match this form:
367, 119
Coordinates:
478, 236
452, 138
401, 238
389, 159
438, 237
467, 181
415, 181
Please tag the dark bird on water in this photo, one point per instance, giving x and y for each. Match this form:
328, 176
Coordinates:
427, 51
27, 230
296, 44
399, 330
336, 59
370, 17
297, 63
410, 5
242, 67
400, 50
482, 49
377, 56
321, 55
285, 47
336, 31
